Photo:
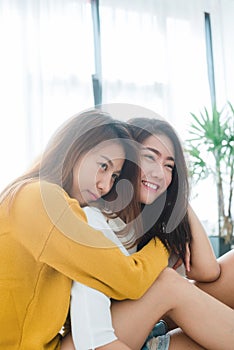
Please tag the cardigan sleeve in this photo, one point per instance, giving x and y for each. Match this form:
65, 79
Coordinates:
63, 240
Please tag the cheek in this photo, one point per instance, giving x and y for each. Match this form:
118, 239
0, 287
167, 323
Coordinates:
168, 179
89, 173
141, 174
143, 169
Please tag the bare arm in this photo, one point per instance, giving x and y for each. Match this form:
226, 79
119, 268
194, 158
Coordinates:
204, 266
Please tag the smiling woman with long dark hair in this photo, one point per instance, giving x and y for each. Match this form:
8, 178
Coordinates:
163, 194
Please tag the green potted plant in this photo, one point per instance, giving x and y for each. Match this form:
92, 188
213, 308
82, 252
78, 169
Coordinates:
211, 153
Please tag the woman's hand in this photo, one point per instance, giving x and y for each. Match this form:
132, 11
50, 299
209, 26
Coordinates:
179, 261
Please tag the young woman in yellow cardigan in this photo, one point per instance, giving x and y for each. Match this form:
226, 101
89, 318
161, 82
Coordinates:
163, 193
45, 241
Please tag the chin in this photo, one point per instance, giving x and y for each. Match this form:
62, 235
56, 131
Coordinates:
147, 201
150, 201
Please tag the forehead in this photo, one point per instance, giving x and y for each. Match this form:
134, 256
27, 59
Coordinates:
111, 148
160, 142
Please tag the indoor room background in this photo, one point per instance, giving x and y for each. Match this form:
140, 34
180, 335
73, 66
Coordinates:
59, 57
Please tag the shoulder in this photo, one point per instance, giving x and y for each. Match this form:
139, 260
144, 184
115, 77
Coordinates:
48, 197
44, 191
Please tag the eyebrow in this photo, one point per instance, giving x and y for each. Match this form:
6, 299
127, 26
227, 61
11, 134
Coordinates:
109, 161
158, 153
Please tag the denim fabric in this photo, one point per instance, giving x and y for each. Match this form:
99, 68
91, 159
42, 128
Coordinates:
158, 339
164, 341
159, 329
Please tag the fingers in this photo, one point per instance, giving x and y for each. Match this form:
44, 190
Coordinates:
177, 264
187, 257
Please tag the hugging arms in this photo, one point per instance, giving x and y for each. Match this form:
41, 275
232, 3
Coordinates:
160, 154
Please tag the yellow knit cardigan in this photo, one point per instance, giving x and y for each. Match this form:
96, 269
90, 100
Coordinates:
45, 243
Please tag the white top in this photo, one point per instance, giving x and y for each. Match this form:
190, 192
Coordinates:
91, 321
90, 309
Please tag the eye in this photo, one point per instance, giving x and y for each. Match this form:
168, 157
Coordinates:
115, 177
170, 166
149, 156
103, 166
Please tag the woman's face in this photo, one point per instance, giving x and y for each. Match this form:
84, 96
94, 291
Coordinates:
157, 162
95, 173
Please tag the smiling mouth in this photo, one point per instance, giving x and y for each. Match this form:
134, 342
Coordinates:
150, 185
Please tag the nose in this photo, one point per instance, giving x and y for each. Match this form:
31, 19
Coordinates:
104, 184
157, 170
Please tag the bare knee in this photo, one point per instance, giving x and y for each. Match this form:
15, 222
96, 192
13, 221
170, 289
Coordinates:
168, 277
171, 283
168, 282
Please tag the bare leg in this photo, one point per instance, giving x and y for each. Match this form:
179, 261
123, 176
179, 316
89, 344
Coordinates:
191, 309
180, 341
223, 288
186, 305
67, 344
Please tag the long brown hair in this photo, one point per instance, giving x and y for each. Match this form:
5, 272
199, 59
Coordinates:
71, 141
167, 217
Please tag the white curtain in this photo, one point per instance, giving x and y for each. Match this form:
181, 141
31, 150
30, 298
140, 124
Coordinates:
154, 54
46, 64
